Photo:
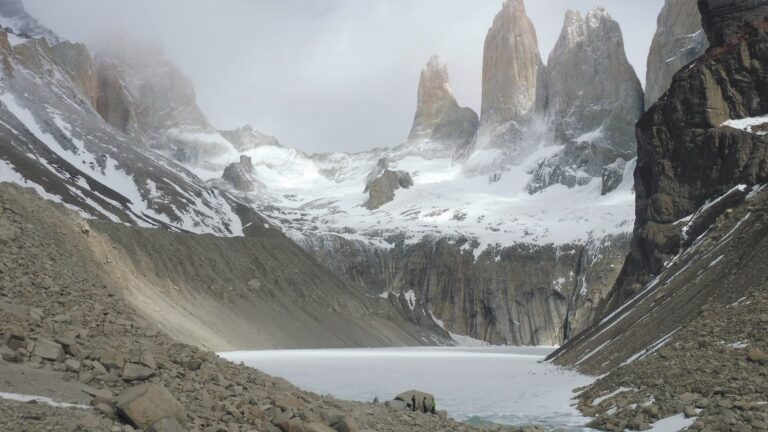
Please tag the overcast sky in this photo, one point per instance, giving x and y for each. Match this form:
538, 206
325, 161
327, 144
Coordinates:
325, 75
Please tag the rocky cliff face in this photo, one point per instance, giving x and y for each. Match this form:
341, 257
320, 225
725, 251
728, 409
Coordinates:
687, 153
595, 122
679, 40
519, 295
702, 159
438, 116
511, 64
727, 22
512, 68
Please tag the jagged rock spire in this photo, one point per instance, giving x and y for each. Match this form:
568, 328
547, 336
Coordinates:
511, 64
438, 115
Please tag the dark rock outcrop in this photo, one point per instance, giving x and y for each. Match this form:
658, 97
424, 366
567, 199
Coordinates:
240, 175
679, 40
438, 116
699, 242
727, 22
382, 184
686, 156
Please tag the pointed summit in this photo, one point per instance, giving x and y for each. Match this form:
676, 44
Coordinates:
591, 50
511, 63
438, 116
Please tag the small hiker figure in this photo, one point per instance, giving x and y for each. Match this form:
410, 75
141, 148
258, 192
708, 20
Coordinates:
433, 410
413, 403
424, 405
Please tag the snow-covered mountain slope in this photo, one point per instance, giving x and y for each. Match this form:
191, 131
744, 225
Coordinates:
310, 196
145, 212
54, 139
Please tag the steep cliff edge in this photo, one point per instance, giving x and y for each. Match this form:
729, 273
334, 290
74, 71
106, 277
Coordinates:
519, 295
685, 329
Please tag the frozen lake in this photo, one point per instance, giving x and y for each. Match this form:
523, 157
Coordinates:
501, 385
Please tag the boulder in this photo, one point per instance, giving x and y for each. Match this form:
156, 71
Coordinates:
147, 404
317, 427
48, 350
112, 359
8, 354
757, 356
346, 424
167, 424
136, 372
421, 397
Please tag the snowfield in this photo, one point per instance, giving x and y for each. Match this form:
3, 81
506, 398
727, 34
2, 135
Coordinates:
324, 195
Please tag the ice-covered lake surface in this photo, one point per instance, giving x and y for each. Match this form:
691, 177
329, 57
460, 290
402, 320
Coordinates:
507, 385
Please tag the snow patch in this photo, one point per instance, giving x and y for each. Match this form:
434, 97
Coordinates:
749, 124
42, 399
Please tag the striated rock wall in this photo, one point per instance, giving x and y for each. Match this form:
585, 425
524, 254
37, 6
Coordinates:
679, 40
520, 295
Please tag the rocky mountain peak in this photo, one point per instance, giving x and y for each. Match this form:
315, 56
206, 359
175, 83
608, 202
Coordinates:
240, 175
438, 116
511, 65
728, 21
679, 40
596, 122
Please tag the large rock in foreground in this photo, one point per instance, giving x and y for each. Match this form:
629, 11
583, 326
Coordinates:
148, 404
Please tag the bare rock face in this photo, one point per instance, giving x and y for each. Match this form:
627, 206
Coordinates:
728, 21
593, 99
687, 153
382, 184
240, 175
679, 40
438, 116
247, 138
114, 103
76, 60
511, 64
